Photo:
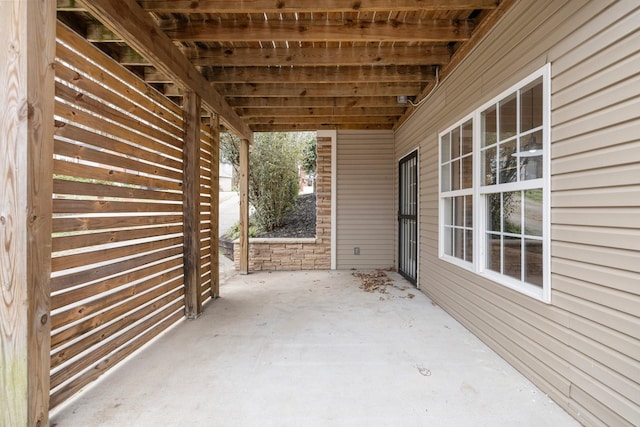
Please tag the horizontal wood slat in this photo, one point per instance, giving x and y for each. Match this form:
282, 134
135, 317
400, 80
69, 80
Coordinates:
64, 243
87, 258
101, 111
98, 174
79, 224
127, 314
111, 191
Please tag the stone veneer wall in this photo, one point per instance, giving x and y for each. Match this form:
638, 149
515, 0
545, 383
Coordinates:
299, 254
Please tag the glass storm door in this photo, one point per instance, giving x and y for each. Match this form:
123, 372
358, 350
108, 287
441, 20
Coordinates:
408, 217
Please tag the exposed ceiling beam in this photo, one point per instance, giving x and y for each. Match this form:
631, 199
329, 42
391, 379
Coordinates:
127, 18
295, 56
306, 102
432, 31
281, 120
292, 127
321, 111
320, 90
308, 6
319, 74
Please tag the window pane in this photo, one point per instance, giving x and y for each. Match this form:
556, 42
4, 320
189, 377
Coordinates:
493, 252
468, 211
458, 245
531, 156
508, 162
512, 257
512, 209
467, 137
459, 211
531, 106
533, 212
508, 116
448, 211
489, 128
455, 175
489, 166
448, 240
493, 212
467, 172
468, 252
445, 148
533, 261
446, 177
455, 143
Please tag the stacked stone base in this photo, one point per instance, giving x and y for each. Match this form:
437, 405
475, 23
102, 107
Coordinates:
285, 254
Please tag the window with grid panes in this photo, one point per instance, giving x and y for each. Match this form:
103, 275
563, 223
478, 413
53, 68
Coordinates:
456, 181
503, 216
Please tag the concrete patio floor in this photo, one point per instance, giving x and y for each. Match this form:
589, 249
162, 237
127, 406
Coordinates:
313, 349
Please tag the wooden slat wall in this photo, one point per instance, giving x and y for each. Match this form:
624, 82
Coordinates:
583, 349
117, 266
365, 177
205, 212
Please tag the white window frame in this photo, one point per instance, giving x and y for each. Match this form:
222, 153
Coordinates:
456, 193
480, 192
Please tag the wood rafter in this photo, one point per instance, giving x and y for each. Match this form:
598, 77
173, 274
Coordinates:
321, 111
319, 90
305, 74
321, 120
319, 74
296, 56
323, 31
306, 6
309, 102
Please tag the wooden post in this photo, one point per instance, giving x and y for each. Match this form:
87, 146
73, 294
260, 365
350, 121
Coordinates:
27, 37
191, 204
244, 206
215, 206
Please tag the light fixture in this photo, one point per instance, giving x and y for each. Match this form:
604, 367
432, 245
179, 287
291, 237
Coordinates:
531, 149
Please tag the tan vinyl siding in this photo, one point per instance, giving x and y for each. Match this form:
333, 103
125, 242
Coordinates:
583, 349
365, 189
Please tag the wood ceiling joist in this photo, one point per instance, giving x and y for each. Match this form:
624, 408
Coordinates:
323, 120
319, 89
296, 56
292, 127
126, 18
321, 111
433, 31
307, 6
307, 102
319, 74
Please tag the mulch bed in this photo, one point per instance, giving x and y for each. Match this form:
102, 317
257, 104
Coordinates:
299, 223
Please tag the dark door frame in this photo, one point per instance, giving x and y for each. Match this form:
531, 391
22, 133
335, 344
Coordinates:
408, 213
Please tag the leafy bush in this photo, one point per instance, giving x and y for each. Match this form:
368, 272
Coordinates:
234, 232
273, 178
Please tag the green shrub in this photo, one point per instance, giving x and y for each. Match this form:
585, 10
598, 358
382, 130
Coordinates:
273, 178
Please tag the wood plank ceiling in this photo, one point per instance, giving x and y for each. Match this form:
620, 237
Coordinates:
287, 65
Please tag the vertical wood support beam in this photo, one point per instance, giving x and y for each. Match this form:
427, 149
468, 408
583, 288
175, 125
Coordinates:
191, 205
27, 51
215, 206
244, 206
